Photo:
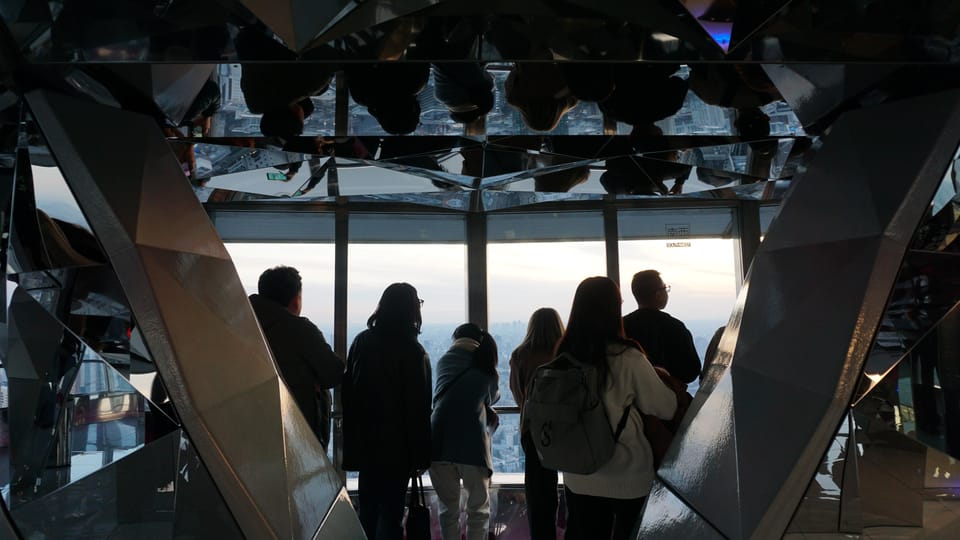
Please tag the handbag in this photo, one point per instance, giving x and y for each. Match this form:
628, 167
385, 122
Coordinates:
418, 515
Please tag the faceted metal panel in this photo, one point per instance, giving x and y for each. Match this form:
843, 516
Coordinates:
172, 88
297, 21
763, 372
674, 519
926, 290
7, 530
200, 510
341, 521
188, 300
362, 16
72, 412
773, 315
132, 497
702, 439
814, 91
312, 479
819, 511
920, 396
891, 469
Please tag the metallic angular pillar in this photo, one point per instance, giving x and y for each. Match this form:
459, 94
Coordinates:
791, 357
196, 321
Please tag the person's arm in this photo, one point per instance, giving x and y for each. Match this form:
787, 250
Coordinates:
493, 394
651, 396
684, 362
326, 366
516, 379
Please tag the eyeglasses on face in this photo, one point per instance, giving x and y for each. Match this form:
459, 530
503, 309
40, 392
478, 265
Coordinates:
665, 288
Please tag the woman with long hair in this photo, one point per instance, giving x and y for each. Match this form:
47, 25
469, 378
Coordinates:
609, 500
386, 410
540, 484
467, 383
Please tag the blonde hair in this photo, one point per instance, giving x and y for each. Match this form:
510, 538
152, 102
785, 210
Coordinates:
543, 331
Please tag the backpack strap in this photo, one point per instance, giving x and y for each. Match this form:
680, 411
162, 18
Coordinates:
437, 397
622, 423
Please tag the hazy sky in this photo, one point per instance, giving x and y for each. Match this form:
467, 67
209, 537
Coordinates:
521, 276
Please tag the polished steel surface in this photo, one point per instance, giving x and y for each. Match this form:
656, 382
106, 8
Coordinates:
789, 283
468, 111
179, 279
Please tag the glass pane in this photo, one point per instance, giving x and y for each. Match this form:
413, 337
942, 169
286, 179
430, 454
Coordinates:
132, 497
525, 276
422, 228
273, 226
567, 226
434, 116
699, 270
437, 271
315, 262
235, 119
507, 454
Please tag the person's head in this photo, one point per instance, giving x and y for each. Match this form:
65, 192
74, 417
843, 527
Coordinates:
594, 322
398, 310
283, 285
481, 104
589, 81
485, 355
285, 122
398, 116
543, 331
544, 114
648, 288
541, 108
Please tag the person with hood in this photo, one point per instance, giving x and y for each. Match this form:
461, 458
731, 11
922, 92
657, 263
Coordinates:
305, 361
462, 422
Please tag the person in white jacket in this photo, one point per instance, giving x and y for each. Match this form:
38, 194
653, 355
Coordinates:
608, 501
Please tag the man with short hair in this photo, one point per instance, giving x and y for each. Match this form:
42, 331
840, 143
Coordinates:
666, 340
305, 361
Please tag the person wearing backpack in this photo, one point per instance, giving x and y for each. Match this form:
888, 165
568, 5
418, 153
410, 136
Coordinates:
467, 387
539, 483
609, 500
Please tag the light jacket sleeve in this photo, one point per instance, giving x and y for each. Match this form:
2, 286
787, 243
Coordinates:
651, 395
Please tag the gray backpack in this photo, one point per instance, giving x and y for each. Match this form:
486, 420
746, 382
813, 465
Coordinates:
566, 418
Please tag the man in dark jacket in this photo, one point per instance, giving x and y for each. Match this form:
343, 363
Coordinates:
666, 340
304, 359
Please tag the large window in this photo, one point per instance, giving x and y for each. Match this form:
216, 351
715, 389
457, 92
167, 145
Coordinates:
533, 261
313, 261
425, 251
694, 252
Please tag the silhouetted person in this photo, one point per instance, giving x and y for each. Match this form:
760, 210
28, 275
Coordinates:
644, 93
389, 92
666, 340
306, 362
589, 81
539, 483
745, 88
386, 410
607, 502
539, 91
467, 382
280, 91
464, 88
